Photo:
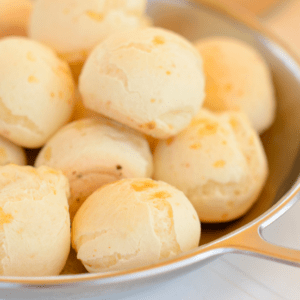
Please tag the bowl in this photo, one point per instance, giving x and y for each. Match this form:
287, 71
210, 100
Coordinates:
196, 19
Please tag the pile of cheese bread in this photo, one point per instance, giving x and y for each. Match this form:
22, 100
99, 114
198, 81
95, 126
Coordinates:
141, 135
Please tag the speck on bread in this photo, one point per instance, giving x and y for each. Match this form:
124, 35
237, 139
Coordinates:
34, 221
132, 223
149, 79
218, 162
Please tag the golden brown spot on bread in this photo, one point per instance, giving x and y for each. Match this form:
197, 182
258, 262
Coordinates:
160, 195
151, 125
4, 218
95, 16
30, 56
152, 100
2, 152
169, 141
219, 164
158, 40
195, 146
168, 73
207, 126
52, 95
208, 129
224, 142
140, 186
234, 123
48, 153
32, 79
187, 165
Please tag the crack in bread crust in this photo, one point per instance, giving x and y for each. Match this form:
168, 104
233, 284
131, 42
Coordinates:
8, 117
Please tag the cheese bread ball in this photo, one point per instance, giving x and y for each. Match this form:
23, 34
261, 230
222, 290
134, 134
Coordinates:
36, 92
34, 221
132, 223
149, 79
14, 17
238, 78
94, 152
74, 27
11, 153
218, 162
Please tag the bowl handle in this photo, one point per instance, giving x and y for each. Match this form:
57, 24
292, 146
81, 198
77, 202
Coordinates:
250, 240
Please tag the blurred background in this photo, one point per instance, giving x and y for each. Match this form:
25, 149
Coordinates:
281, 16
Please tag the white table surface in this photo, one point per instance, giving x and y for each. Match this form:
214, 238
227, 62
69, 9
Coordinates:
239, 276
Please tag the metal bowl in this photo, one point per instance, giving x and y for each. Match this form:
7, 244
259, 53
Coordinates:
195, 20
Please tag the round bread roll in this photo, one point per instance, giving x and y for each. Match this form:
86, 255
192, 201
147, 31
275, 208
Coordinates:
34, 221
36, 92
92, 153
74, 27
218, 162
149, 79
132, 223
11, 153
14, 17
238, 78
